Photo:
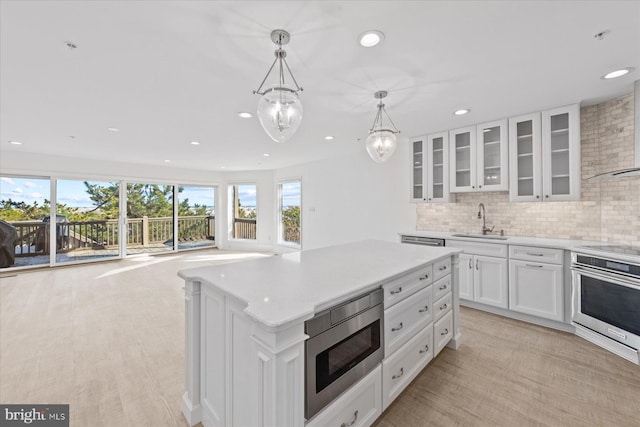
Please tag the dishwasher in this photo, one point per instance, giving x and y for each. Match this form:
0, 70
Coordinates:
419, 240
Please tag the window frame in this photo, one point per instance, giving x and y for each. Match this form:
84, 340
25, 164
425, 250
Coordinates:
279, 200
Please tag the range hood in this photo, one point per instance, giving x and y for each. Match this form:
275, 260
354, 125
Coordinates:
635, 170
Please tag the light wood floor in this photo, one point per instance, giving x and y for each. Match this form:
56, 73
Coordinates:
108, 339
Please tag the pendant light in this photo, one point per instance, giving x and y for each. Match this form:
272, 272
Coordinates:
279, 109
382, 141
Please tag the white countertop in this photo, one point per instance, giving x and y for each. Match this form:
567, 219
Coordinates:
292, 287
568, 244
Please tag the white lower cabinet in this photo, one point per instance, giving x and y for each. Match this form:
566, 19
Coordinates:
403, 366
359, 406
483, 277
406, 318
536, 289
442, 332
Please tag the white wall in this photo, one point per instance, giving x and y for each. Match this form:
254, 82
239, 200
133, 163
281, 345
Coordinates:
354, 198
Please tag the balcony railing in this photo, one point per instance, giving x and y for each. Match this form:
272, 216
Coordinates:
33, 236
291, 234
244, 228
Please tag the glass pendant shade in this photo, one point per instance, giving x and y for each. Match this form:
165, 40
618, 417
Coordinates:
280, 113
381, 143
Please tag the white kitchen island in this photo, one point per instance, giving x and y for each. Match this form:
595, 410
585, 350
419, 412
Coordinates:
244, 343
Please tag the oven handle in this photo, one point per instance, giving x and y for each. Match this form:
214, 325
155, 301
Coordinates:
597, 274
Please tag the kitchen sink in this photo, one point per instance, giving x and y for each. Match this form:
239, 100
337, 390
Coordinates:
480, 236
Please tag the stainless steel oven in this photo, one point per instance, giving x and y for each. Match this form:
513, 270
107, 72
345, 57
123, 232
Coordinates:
606, 297
345, 343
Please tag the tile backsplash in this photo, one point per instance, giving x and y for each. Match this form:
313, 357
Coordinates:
608, 211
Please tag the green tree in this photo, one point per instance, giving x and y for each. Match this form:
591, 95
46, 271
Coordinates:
291, 216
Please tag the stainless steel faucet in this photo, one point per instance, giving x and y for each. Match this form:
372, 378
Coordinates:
482, 214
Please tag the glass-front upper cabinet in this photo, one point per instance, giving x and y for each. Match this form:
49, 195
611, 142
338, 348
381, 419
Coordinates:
561, 153
545, 155
462, 159
438, 168
525, 158
418, 145
492, 156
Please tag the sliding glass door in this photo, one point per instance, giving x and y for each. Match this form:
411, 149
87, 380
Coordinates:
149, 218
196, 217
87, 220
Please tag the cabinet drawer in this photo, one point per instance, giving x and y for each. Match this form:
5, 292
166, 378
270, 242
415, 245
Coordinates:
535, 254
405, 364
441, 268
441, 287
405, 319
359, 406
476, 248
442, 332
442, 306
401, 288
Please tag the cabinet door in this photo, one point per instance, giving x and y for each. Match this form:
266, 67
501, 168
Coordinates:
536, 289
466, 276
418, 175
525, 158
561, 153
438, 168
463, 160
493, 160
490, 281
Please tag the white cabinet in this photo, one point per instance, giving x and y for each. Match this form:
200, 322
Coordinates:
479, 158
544, 160
405, 319
492, 156
418, 170
536, 285
462, 171
430, 168
403, 366
483, 278
359, 406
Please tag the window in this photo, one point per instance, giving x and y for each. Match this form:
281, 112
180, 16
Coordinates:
149, 218
196, 217
243, 211
24, 211
86, 220
289, 212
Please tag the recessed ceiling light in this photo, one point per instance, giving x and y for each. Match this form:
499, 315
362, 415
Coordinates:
328, 138
113, 129
371, 38
266, 154
617, 73
223, 167
15, 142
167, 161
245, 115
194, 143
461, 112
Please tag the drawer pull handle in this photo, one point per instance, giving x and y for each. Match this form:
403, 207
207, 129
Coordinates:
477, 268
426, 349
397, 329
445, 332
470, 263
425, 277
397, 291
442, 288
424, 310
443, 307
444, 267
395, 377
532, 254
355, 418
534, 266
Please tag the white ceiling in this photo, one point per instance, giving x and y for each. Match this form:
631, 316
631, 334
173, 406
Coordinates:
169, 72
